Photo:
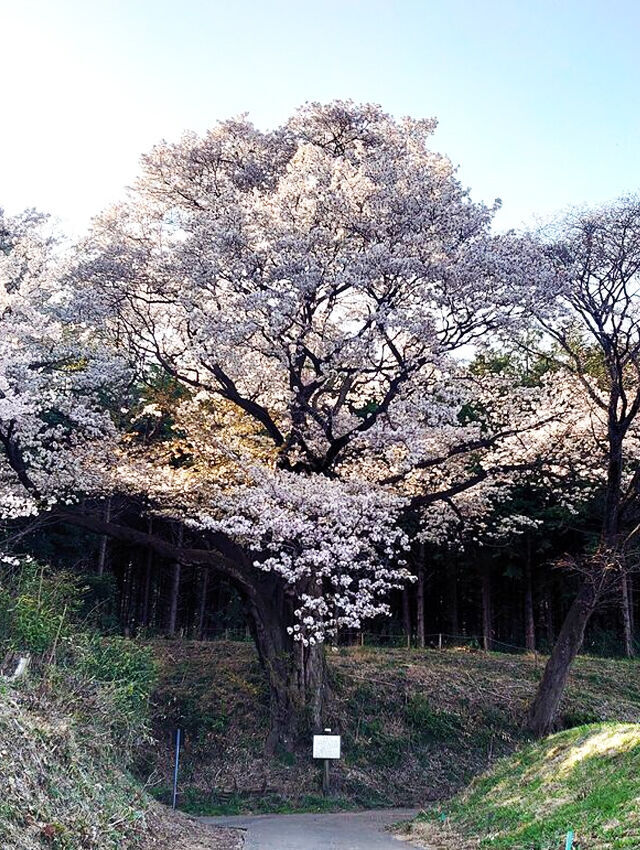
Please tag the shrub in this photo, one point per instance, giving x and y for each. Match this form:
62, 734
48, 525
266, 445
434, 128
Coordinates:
123, 665
38, 605
42, 609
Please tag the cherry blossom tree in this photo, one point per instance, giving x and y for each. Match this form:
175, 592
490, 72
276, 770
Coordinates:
54, 431
308, 291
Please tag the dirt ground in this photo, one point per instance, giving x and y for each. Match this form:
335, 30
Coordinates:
176, 831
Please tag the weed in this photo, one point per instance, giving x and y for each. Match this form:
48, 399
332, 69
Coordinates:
429, 724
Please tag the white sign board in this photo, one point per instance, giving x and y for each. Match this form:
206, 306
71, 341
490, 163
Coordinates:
326, 746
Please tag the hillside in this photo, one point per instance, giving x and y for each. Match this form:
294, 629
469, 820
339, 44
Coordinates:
63, 785
417, 725
73, 712
585, 779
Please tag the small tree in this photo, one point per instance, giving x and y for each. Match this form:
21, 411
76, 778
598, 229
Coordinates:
593, 320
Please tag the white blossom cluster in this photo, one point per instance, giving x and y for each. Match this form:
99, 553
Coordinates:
309, 291
337, 546
52, 423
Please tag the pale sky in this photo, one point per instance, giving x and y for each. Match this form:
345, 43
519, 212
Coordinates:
538, 101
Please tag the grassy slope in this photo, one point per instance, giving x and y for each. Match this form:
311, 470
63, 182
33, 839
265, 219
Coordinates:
63, 786
417, 725
586, 779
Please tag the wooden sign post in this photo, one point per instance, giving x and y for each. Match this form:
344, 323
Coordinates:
326, 747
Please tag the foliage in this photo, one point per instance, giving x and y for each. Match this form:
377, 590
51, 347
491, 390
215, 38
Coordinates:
125, 667
70, 724
41, 616
38, 605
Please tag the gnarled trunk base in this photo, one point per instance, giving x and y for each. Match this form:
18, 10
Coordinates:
297, 675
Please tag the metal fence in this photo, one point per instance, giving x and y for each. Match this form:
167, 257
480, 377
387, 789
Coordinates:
391, 640
432, 640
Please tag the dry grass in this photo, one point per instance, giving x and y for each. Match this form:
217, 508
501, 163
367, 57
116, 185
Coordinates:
436, 836
63, 787
168, 830
416, 725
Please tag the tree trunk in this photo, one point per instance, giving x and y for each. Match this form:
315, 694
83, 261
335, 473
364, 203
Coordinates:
174, 598
125, 600
452, 599
529, 621
296, 674
420, 601
406, 612
547, 616
298, 686
627, 616
487, 625
146, 593
547, 699
175, 591
611, 518
554, 679
202, 610
102, 552
146, 596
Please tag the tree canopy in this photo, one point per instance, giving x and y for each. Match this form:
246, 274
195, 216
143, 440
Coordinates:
308, 349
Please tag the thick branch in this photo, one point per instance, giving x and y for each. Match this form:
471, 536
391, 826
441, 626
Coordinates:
226, 556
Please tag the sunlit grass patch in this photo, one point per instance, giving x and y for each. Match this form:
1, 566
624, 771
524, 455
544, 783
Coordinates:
586, 779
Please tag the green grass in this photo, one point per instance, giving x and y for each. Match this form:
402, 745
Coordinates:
416, 725
195, 802
586, 779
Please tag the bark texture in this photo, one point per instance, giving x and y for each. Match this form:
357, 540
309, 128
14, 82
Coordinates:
627, 616
544, 707
487, 615
296, 674
420, 632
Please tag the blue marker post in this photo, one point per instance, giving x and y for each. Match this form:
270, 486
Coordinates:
569, 842
175, 771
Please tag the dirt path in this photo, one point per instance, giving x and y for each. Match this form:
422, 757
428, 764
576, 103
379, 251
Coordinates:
342, 831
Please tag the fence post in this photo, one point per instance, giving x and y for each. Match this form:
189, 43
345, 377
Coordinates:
569, 842
440, 641
361, 638
175, 770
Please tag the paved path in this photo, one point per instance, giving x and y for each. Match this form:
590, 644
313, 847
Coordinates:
341, 831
